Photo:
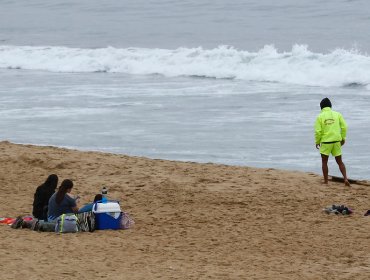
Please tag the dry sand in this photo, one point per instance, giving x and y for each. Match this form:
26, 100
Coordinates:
193, 221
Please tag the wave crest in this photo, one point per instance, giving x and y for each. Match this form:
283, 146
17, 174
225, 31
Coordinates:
299, 66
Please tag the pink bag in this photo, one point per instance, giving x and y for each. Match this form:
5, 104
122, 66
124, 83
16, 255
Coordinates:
126, 221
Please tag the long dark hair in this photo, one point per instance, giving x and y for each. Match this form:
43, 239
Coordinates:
64, 187
42, 196
50, 183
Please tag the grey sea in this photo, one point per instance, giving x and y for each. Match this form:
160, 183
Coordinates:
232, 82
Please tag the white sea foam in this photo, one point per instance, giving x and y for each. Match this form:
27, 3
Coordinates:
299, 66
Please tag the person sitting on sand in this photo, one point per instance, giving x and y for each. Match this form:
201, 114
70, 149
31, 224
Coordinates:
61, 202
330, 136
42, 196
88, 207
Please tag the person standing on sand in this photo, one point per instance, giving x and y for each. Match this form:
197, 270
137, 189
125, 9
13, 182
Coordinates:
330, 136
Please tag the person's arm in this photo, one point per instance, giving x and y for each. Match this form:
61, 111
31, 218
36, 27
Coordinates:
343, 128
75, 209
318, 131
73, 204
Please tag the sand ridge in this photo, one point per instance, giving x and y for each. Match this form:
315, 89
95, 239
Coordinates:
192, 221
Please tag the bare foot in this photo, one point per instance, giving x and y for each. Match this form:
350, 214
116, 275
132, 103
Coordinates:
325, 182
346, 183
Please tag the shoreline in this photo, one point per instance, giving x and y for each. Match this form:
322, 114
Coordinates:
336, 178
192, 220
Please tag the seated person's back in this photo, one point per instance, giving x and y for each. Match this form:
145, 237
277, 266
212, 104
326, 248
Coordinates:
42, 196
61, 202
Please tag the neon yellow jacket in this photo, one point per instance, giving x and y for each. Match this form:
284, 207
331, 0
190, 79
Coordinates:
330, 126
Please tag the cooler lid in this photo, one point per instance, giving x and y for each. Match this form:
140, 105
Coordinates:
110, 206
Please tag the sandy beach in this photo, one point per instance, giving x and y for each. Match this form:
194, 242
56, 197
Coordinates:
192, 221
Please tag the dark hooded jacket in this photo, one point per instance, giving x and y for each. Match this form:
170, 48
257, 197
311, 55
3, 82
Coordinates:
42, 196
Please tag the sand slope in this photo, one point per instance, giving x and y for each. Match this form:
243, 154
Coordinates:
193, 221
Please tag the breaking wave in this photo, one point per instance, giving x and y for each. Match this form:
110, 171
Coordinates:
298, 66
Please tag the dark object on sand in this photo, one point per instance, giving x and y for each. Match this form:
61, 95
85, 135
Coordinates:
338, 209
351, 181
367, 213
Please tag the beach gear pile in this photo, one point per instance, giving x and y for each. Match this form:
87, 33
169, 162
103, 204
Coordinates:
67, 223
7, 221
104, 215
108, 215
338, 210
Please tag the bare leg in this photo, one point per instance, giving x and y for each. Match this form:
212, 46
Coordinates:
342, 169
325, 169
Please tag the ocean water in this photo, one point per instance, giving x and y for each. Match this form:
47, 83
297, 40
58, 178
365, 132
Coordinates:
233, 82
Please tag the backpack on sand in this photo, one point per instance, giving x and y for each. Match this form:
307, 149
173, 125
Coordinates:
86, 221
66, 223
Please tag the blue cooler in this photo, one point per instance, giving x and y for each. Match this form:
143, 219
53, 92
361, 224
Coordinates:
107, 215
